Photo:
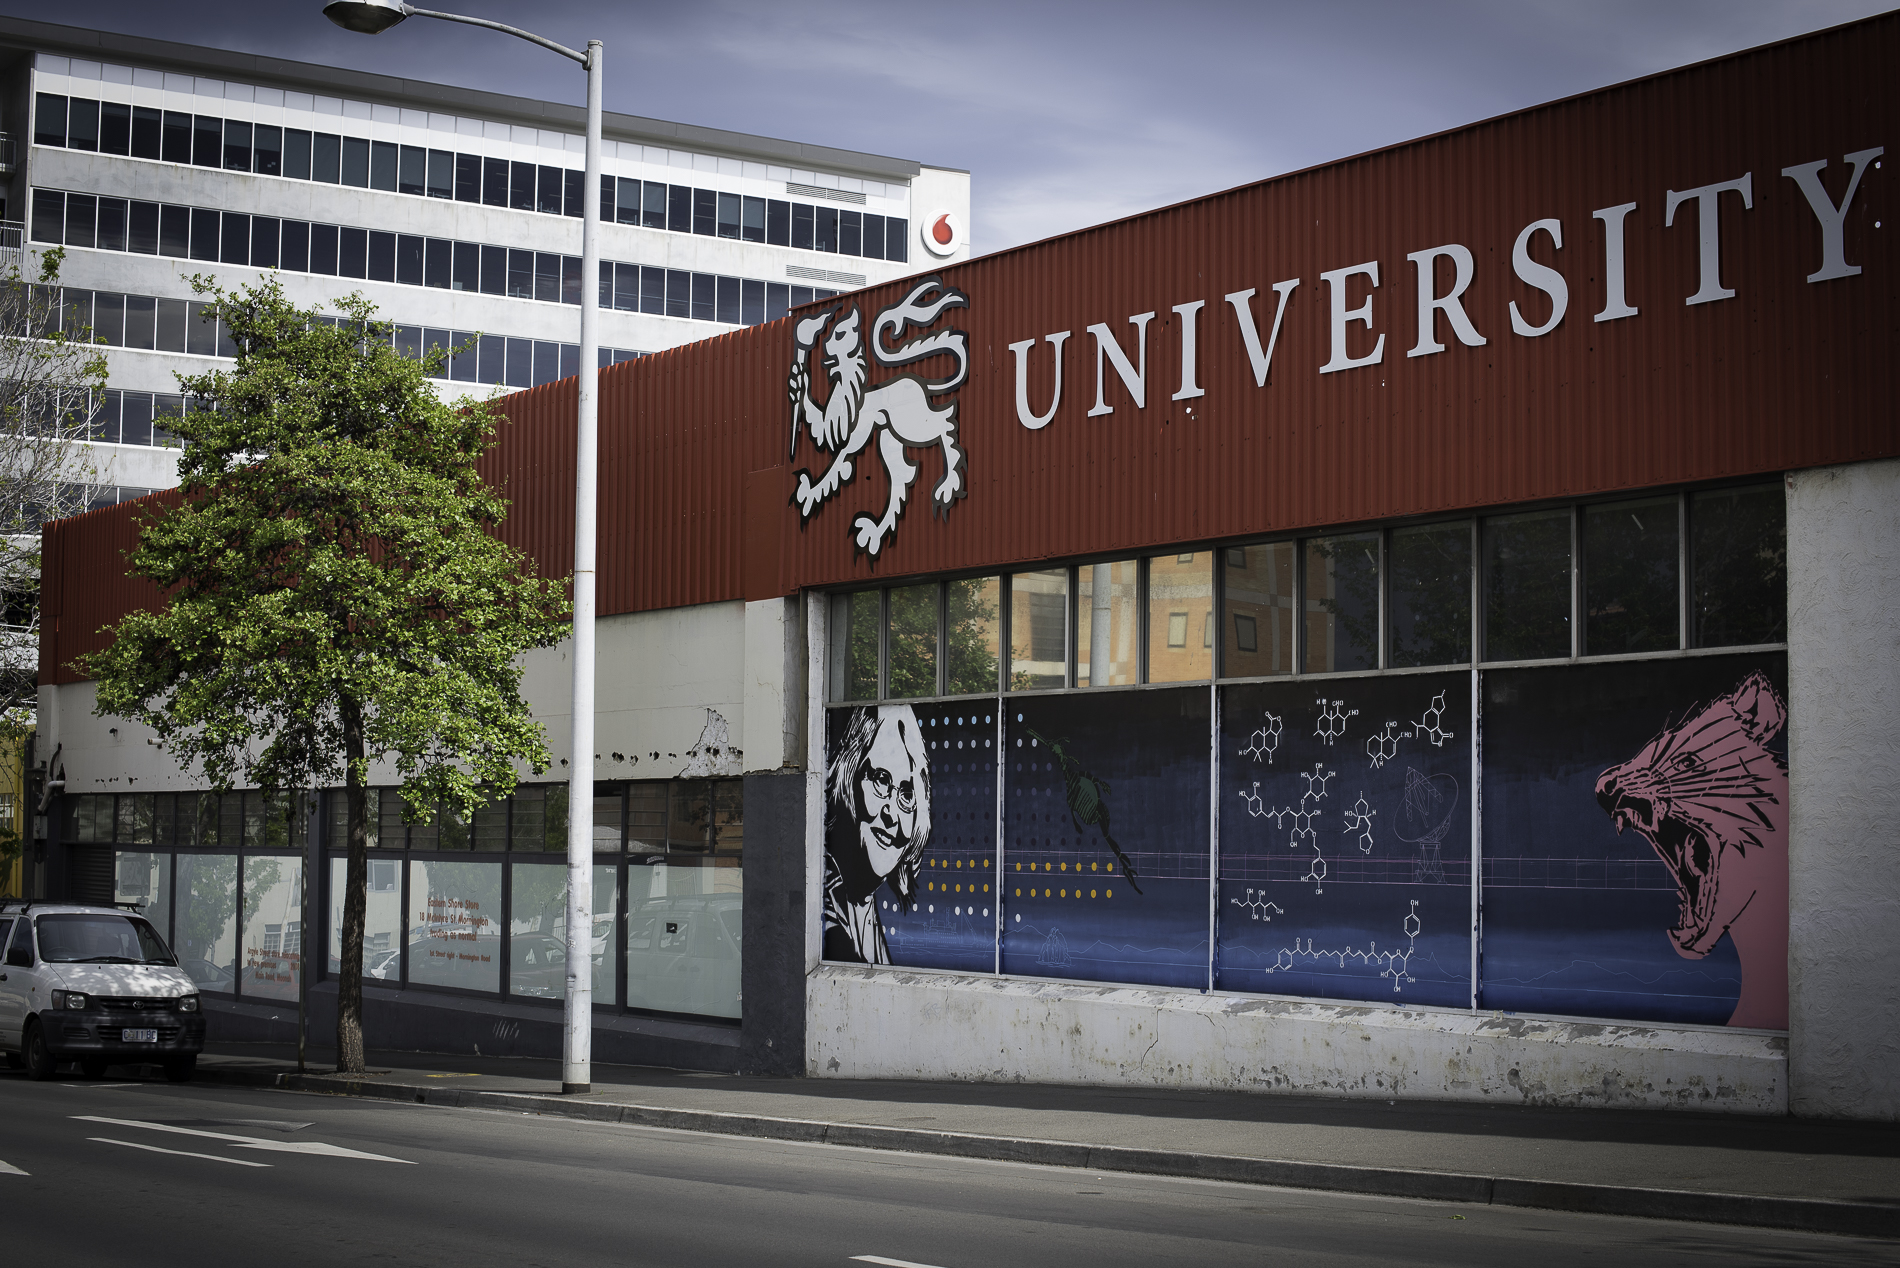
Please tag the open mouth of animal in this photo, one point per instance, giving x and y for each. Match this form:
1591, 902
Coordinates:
1690, 859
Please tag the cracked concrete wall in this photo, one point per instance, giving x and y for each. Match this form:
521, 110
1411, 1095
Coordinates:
1844, 821
868, 1023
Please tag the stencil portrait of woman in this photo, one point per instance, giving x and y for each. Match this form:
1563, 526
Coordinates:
877, 823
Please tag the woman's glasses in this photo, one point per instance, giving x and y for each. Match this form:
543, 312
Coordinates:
883, 785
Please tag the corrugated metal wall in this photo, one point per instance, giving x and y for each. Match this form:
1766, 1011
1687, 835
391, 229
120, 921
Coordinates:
1786, 374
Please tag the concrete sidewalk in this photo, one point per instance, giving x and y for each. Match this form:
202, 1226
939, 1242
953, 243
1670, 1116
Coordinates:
1773, 1172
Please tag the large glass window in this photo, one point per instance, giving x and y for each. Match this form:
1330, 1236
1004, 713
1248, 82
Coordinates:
454, 929
685, 926
537, 931
856, 622
1527, 586
1428, 594
382, 918
1039, 629
205, 907
973, 643
1180, 617
913, 642
1106, 629
272, 927
144, 880
1342, 603
1738, 542
1631, 562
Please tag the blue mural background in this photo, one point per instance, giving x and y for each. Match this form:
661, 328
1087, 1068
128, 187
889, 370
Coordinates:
1346, 839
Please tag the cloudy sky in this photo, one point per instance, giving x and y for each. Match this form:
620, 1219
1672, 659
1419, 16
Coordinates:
1066, 113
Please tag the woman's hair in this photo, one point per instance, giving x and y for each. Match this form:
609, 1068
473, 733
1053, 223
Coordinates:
841, 784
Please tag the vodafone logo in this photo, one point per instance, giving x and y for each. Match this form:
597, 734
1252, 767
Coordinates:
942, 232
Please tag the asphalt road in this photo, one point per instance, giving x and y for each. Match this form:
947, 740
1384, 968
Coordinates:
151, 1173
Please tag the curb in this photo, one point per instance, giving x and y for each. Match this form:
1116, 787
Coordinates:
1811, 1215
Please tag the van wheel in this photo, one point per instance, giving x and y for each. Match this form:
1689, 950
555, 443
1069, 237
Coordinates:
92, 1067
39, 1059
180, 1069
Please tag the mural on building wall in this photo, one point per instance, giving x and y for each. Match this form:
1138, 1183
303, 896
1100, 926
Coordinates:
1105, 857
898, 412
1635, 827
910, 836
1345, 830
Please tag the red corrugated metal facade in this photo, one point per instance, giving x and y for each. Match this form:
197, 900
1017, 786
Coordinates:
696, 469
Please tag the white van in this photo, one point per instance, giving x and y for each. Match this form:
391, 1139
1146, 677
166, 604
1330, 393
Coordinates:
96, 986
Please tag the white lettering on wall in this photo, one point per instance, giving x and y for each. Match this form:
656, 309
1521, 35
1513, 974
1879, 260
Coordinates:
1709, 227
1190, 318
1336, 282
1540, 276
1833, 242
1615, 305
1133, 378
1452, 305
1033, 421
1250, 333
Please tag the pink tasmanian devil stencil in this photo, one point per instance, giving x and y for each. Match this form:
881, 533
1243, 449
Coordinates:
1713, 803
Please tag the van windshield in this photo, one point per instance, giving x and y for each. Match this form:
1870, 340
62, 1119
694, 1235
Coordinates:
100, 939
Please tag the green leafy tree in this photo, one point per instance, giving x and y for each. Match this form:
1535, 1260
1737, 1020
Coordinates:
335, 591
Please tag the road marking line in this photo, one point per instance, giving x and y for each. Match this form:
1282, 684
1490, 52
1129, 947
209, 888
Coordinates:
178, 1153
248, 1142
98, 1087
888, 1263
8, 1169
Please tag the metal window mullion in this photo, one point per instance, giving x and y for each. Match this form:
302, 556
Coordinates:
1213, 825
1577, 581
1477, 591
1382, 637
999, 928
1684, 589
943, 638
1299, 607
506, 976
883, 644
1073, 621
1005, 632
1141, 619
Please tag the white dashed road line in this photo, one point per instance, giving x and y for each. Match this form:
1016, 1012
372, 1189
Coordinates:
178, 1153
312, 1147
888, 1263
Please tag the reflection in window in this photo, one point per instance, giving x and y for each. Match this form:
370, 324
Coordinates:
1527, 586
145, 881
537, 931
684, 931
272, 927
1039, 629
855, 626
1342, 603
913, 642
1631, 556
1180, 599
1105, 635
382, 919
1259, 607
974, 634
1739, 564
205, 930
1429, 593
454, 929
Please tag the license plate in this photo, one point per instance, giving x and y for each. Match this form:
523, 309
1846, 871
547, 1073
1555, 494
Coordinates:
138, 1036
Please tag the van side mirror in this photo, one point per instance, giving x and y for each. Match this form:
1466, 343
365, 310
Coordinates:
20, 958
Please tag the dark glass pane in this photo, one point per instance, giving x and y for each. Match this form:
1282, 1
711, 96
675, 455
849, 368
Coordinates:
855, 625
234, 245
825, 234
1738, 561
409, 259
147, 128
547, 362
135, 418
729, 215
801, 295
225, 346
706, 212
323, 249
207, 141
752, 303
356, 162
142, 229
571, 279
174, 231
873, 237
521, 186
352, 252
408, 342
264, 232
75, 309
468, 178
382, 165
139, 313
49, 119
626, 286
82, 220
752, 220
82, 124
440, 180
896, 238
850, 233
463, 356
775, 300
437, 264
521, 275
468, 267
435, 343
201, 333
494, 276
49, 216
653, 290
204, 234
267, 151
172, 316
112, 224
705, 287
912, 641
326, 158
547, 276
1258, 610
294, 254
115, 128
726, 304
103, 426
237, 146
177, 143
547, 198
1428, 595
1631, 565
653, 205
494, 182
679, 208
679, 293
1527, 586
412, 170
492, 354
296, 154
382, 256
803, 222
1342, 602
570, 361
778, 222
520, 363
626, 202
108, 318
573, 185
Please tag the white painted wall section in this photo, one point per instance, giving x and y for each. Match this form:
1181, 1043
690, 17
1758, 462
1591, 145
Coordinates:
774, 685
1844, 821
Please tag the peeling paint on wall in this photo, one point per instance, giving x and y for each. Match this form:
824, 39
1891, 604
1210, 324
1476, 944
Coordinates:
713, 756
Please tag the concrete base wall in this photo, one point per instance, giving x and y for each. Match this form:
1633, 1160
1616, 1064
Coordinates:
1844, 820
899, 1024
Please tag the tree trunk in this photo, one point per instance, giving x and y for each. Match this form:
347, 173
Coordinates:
349, 987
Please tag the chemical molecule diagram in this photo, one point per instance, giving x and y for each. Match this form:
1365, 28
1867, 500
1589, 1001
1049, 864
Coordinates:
1396, 965
1265, 741
1428, 727
1384, 746
1302, 817
1359, 820
1332, 719
1258, 907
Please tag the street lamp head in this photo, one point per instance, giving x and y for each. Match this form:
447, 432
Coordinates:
366, 17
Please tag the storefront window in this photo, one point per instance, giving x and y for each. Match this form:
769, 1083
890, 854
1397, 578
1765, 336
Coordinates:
684, 928
1631, 558
1180, 617
338, 809
92, 818
913, 642
646, 816
1342, 603
136, 814
382, 919
1105, 637
1527, 586
607, 831
1739, 565
537, 931
1259, 610
205, 929
145, 880
454, 924
1429, 594
1039, 629
855, 626
491, 826
973, 607
272, 927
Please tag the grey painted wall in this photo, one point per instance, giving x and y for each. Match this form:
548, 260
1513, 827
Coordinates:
772, 981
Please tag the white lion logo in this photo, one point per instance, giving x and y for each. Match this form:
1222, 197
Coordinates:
898, 411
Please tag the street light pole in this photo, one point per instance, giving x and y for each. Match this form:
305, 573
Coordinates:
372, 17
